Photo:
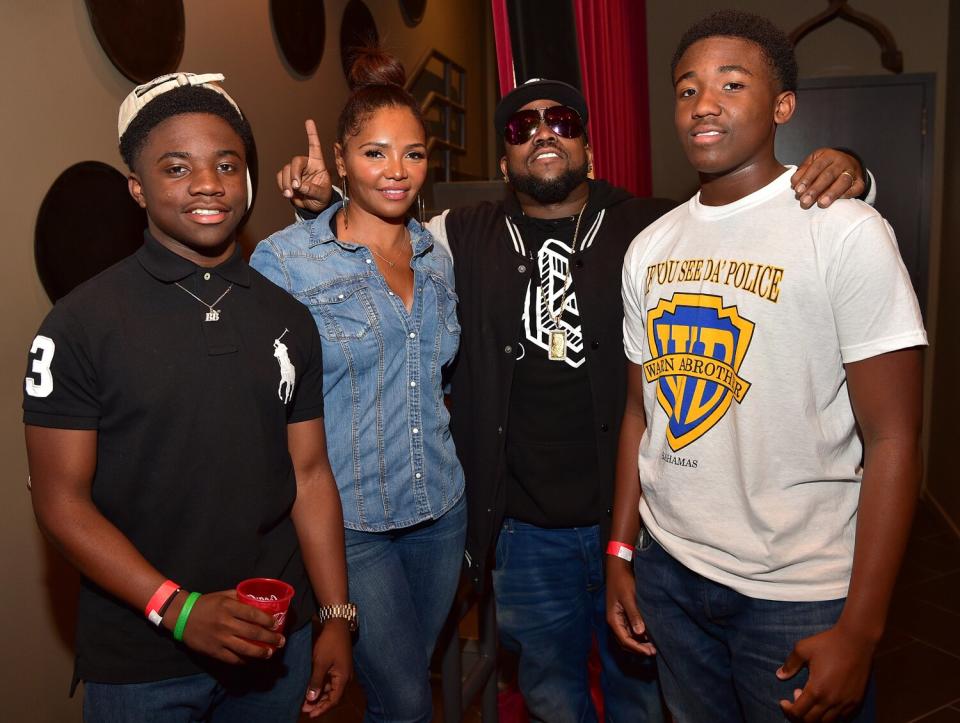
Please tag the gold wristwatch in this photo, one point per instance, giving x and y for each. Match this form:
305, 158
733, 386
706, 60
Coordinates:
341, 611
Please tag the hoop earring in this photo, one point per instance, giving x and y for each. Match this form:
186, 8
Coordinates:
346, 199
420, 209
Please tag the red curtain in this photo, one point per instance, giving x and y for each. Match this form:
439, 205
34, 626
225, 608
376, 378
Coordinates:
501, 36
612, 39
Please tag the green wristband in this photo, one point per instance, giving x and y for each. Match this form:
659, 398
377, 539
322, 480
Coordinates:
184, 614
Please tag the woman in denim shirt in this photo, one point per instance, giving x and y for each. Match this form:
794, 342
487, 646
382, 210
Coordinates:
382, 296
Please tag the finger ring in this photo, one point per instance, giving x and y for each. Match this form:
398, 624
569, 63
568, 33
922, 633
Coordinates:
848, 173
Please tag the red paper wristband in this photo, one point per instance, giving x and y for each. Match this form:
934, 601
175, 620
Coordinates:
163, 593
621, 550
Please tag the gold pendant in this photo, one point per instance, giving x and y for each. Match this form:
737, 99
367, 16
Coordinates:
213, 315
558, 345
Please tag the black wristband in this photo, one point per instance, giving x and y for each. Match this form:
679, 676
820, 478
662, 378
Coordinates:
166, 606
305, 215
867, 185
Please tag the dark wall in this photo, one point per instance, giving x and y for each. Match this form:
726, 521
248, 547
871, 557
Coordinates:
942, 470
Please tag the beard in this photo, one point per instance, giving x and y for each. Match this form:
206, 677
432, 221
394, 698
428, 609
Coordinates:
549, 191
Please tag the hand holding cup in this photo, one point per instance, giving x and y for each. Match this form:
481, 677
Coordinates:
269, 595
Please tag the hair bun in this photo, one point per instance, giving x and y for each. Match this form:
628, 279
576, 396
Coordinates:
372, 65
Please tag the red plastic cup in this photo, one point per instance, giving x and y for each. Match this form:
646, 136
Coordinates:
271, 596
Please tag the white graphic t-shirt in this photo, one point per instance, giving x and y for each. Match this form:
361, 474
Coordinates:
742, 317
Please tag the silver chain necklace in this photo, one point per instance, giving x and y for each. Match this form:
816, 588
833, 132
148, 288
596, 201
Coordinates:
212, 314
558, 337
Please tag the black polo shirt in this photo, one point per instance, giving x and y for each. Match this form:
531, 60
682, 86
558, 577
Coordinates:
191, 415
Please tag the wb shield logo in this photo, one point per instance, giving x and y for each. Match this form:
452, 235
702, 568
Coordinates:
697, 346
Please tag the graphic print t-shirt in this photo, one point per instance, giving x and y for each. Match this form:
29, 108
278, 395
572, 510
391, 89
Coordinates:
551, 445
742, 317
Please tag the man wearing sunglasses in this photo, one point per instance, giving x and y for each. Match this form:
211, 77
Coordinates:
540, 384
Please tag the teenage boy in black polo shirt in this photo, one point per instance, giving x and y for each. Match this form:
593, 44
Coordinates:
174, 430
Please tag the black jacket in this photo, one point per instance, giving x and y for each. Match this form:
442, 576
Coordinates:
491, 279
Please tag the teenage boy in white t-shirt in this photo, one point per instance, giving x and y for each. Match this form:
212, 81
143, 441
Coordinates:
761, 338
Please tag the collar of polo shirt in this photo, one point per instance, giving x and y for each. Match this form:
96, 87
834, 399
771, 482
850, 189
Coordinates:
167, 266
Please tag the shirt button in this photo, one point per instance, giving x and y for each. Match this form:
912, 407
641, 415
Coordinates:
418, 475
339, 296
413, 384
415, 430
389, 293
595, 344
206, 276
413, 335
508, 349
604, 428
522, 269
499, 430
578, 264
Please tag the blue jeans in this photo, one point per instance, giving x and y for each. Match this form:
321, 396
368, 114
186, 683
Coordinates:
551, 598
403, 583
717, 650
266, 691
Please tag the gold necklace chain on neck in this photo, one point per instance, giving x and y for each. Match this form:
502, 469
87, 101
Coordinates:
392, 264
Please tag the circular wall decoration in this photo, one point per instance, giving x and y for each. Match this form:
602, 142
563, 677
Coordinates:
357, 29
413, 11
300, 28
87, 222
142, 38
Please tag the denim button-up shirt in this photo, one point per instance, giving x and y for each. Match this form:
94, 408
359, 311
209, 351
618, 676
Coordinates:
388, 435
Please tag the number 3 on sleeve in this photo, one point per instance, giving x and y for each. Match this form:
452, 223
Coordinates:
44, 349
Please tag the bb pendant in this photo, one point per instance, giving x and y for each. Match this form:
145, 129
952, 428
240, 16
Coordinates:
558, 345
212, 315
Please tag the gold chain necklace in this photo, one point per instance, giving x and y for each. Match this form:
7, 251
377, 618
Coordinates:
392, 264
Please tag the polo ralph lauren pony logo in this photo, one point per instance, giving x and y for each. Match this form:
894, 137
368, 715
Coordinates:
697, 345
288, 374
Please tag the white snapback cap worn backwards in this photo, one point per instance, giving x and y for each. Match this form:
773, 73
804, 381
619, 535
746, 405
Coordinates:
143, 94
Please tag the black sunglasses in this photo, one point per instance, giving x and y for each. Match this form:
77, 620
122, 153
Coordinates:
523, 125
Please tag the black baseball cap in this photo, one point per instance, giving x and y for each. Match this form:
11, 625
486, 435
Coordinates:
535, 89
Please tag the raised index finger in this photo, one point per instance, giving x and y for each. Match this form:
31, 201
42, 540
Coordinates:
314, 149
